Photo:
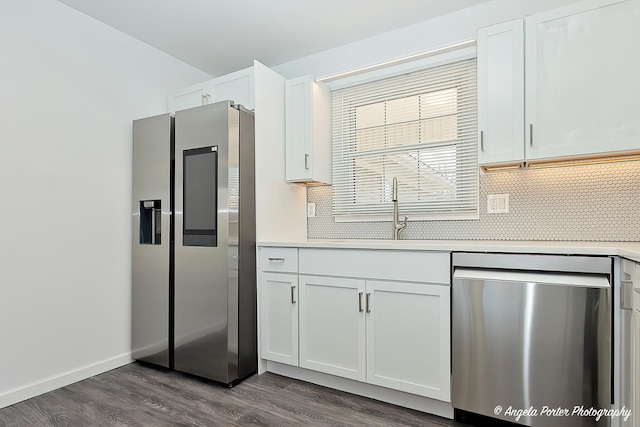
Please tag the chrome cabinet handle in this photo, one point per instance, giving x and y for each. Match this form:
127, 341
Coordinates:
276, 259
481, 140
293, 294
360, 302
531, 135
367, 303
306, 161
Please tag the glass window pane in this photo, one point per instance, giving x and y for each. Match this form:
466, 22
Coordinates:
439, 103
403, 110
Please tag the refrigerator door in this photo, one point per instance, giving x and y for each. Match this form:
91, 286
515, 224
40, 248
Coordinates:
206, 249
151, 245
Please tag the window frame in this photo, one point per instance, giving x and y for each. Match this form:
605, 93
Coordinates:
397, 70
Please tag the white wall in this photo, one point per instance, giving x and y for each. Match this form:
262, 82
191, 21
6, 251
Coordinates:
69, 88
421, 37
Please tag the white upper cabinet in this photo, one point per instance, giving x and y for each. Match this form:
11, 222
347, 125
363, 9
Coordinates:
236, 86
582, 85
308, 131
578, 92
190, 97
501, 93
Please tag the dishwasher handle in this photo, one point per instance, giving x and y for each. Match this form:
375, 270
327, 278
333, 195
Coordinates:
524, 277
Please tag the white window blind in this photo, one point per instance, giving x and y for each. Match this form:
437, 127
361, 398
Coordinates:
419, 128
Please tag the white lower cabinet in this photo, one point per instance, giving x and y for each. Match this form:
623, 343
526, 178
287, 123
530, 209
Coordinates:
391, 334
345, 313
332, 331
408, 326
279, 317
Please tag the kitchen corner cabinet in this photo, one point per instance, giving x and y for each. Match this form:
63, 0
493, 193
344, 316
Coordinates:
501, 94
582, 80
308, 131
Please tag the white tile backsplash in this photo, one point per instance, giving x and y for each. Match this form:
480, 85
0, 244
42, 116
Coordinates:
578, 203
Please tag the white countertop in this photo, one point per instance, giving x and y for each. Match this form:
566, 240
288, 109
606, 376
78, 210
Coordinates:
630, 250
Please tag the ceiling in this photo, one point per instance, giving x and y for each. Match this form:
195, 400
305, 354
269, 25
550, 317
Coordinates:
221, 36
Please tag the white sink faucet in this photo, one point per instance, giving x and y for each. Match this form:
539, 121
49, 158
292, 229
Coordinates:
397, 225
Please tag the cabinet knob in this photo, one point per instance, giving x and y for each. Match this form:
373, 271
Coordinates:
481, 140
368, 309
531, 135
276, 259
293, 294
360, 302
306, 161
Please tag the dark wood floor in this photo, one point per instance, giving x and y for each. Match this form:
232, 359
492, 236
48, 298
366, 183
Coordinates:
138, 395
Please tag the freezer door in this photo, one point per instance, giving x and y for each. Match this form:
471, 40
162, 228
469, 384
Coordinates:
151, 242
531, 340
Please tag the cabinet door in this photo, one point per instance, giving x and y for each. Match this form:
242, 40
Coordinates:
332, 331
236, 86
501, 93
408, 338
298, 130
308, 131
582, 79
193, 96
279, 317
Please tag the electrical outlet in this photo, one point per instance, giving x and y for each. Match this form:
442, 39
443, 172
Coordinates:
311, 210
497, 203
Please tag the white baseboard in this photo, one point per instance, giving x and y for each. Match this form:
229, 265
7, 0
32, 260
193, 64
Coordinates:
62, 379
407, 400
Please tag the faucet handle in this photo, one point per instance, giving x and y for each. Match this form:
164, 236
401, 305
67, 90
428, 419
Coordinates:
405, 220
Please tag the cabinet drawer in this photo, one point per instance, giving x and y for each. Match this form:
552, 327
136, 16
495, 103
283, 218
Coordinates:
279, 259
410, 266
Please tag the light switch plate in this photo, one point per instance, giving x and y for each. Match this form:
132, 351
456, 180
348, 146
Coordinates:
311, 210
497, 203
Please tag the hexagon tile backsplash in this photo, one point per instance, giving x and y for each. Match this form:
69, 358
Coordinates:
578, 203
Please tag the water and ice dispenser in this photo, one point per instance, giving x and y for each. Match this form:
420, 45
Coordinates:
150, 222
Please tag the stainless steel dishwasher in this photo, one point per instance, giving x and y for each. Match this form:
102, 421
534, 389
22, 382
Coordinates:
532, 334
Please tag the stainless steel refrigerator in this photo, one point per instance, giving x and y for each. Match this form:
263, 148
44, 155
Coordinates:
194, 299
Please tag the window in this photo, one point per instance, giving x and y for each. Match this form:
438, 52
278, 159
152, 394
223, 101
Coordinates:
419, 128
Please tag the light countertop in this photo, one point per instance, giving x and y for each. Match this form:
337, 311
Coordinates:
630, 250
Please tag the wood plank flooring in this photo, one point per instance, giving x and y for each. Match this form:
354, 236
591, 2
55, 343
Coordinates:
139, 395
